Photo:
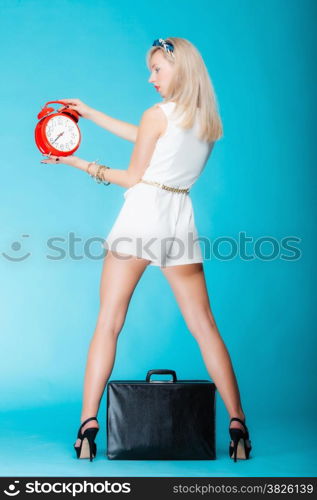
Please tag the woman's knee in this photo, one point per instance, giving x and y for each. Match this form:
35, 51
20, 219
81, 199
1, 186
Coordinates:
201, 323
111, 324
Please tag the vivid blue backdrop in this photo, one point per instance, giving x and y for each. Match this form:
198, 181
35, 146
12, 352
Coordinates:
258, 181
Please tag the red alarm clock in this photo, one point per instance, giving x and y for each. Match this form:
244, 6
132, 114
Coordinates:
57, 133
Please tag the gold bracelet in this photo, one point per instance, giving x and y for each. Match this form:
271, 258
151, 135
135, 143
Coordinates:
106, 183
97, 178
98, 175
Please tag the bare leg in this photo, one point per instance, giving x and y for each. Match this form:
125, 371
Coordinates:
189, 286
118, 281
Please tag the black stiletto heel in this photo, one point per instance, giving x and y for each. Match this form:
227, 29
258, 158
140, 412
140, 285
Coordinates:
241, 446
88, 447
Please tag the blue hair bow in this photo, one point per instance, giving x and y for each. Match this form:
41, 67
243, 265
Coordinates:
167, 46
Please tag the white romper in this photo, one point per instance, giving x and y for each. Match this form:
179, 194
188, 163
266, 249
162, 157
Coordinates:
157, 224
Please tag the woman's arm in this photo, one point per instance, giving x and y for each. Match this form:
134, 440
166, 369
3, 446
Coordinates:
123, 129
152, 125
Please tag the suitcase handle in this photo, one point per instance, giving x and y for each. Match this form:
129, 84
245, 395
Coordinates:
161, 372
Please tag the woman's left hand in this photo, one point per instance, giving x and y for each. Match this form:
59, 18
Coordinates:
71, 160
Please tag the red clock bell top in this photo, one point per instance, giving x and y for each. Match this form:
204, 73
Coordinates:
46, 111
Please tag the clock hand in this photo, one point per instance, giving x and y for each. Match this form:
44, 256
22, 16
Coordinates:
57, 137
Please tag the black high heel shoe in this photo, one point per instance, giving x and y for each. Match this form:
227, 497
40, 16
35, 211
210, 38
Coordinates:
88, 447
240, 446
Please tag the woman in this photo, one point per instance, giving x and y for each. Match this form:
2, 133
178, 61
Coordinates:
172, 145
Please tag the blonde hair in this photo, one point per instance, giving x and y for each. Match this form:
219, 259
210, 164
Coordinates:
191, 88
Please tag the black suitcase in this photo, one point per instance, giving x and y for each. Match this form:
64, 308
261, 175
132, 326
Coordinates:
161, 419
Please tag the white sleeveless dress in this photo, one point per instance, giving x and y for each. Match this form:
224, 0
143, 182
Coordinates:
157, 224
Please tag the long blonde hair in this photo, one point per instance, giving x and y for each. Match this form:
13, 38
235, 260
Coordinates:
191, 88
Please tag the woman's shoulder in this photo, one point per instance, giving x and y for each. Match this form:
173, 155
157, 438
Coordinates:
166, 104
153, 116
167, 107
154, 110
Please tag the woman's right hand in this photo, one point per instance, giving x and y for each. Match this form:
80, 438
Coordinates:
79, 106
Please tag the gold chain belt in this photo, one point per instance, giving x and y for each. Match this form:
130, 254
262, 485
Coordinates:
168, 188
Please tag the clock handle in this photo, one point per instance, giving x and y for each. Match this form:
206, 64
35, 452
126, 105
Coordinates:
46, 110
59, 102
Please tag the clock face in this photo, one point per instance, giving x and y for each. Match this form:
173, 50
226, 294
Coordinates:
62, 133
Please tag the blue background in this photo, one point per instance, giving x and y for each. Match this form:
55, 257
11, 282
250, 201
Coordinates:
259, 180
